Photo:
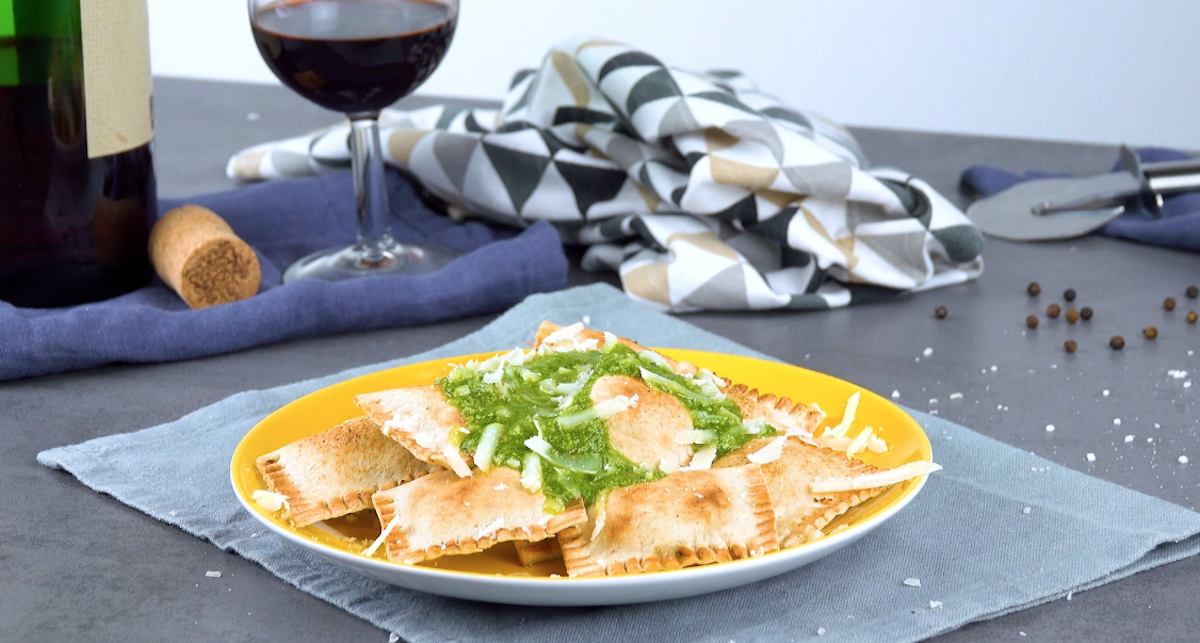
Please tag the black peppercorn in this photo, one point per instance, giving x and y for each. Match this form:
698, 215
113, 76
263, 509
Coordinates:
1053, 311
1193, 292
940, 312
1070, 346
1034, 289
1150, 332
1191, 317
1031, 321
1069, 294
1072, 315
1169, 303
1117, 342
1085, 313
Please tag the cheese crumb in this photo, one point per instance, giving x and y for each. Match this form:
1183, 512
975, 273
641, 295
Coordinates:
1177, 374
212, 574
933, 400
895, 395
267, 500
1091, 457
1026, 510
769, 453
500, 487
956, 396
912, 582
820, 631
393, 637
1105, 391
935, 605
1117, 421
1128, 439
1049, 428
456, 462
994, 369
927, 352
1183, 459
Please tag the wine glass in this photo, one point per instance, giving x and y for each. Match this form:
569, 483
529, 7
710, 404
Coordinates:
357, 57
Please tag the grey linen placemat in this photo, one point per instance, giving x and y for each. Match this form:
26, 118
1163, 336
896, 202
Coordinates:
966, 537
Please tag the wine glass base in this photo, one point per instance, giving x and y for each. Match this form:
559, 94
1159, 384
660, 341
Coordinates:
386, 257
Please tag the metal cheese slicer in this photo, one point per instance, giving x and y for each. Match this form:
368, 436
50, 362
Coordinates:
1045, 209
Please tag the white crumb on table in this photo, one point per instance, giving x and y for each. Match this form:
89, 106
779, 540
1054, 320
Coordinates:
212, 574
1105, 392
912, 582
587, 319
1117, 421
253, 116
1026, 510
927, 352
172, 513
1049, 428
1091, 457
1187, 384
1054, 366
933, 411
956, 396
393, 637
1183, 459
1069, 595
1128, 439
993, 368
933, 400
895, 394
1021, 633
935, 605
1157, 425
820, 631
1177, 374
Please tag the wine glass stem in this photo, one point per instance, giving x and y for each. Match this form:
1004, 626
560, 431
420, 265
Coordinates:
370, 191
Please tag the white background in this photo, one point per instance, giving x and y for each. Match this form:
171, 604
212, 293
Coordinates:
1106, 71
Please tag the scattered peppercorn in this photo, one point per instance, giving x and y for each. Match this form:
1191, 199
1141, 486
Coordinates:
1070, 346
1053, 311
1117, 342
1085, 313
1192, 292
1191, 317
1069, 294
940, 312
1072, 315
1031, 321
1034, 289
1169, 303
1150, 332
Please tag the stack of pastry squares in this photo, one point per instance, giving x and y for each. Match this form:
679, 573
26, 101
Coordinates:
401, 460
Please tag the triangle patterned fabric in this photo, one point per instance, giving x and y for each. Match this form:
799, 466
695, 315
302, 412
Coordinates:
702, 191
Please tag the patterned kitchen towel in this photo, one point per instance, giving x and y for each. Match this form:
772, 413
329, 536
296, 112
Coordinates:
701, 190
1176, 226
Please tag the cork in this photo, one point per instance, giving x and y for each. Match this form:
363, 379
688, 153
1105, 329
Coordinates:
197, 254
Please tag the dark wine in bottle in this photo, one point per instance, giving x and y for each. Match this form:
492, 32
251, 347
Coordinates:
354, 56
77, 191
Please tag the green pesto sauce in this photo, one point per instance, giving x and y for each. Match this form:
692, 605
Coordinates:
529, 399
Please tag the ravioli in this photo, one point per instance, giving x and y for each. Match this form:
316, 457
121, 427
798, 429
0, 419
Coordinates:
800, 514
420, 419
688, 518
335, 472
442, 514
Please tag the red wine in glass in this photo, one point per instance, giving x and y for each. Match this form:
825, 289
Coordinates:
357, 57
354, 56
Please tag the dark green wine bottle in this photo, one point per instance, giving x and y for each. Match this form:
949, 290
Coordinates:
77, 191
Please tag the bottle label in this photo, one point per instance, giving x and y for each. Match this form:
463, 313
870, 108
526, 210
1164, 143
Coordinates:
116, 72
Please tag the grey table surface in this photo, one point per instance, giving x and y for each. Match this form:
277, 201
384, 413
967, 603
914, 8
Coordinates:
75, 565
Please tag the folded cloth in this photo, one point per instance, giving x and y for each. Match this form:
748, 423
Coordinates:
965, 536
283, 222
700, 190
1177, 227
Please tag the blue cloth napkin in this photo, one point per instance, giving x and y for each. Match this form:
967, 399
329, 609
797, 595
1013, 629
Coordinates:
1179, 226
284, 221
966, 537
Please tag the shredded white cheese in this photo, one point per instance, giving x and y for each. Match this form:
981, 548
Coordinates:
618, 404
610, 339
702, 460
496, 525
912, 582
531, 473
456, 462
839, 431
769, 453
599, 519
268, 500
860, 442
872, 480
563, 334
500, 487
695, 436
383, 536
487, 446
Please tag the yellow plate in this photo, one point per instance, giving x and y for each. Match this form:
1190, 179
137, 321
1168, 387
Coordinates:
495, 575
